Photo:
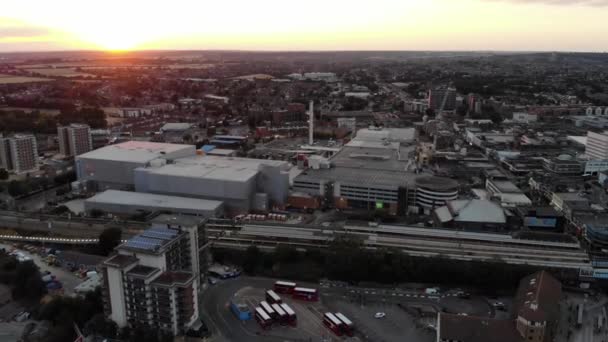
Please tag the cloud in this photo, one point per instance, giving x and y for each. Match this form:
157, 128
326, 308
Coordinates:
596, 3
14, 29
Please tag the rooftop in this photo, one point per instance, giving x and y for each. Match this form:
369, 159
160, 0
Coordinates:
505, 186
135, 151
176, 126
120, 261
216, 168
390, 134
142, 271
170, 278
436, 183
472, 211
538, 297
152, 240
152, 200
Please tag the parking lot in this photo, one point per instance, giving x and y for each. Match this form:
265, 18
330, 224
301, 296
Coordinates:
226, 327
406, 316
310, 319
395, 325
68, 279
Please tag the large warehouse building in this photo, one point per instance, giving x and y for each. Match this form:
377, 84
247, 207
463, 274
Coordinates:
111, 167
243, 184
131, 203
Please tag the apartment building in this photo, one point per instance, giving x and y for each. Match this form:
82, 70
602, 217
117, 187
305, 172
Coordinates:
597, 145
442, 99
19, 153
154, 279
74, 139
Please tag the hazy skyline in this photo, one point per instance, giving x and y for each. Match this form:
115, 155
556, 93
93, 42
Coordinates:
527, 25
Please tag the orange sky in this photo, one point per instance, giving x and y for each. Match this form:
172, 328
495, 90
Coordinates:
578, 25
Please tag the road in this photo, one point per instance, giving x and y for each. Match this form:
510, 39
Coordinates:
222, 322
68, 279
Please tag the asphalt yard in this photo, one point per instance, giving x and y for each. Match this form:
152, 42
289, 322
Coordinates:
310, 317
397, 325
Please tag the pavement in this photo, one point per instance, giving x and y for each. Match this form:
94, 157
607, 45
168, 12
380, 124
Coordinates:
396, 326
593, 308
226, 327
68, 279
11, 332
359, 304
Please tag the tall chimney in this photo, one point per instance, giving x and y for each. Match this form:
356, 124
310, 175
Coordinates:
311, 126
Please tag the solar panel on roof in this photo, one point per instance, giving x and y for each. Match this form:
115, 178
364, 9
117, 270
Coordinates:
145, 243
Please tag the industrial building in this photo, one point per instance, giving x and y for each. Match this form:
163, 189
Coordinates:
112, 167
471, 214
377, 171
19, 153
131, 203
154, 279
243, 184
74, 139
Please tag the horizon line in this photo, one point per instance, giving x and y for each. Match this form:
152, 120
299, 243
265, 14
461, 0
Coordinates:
297, 51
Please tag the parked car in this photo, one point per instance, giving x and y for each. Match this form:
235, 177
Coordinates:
380, 315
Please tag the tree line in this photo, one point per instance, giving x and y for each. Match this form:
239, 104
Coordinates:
347, 260
40, 123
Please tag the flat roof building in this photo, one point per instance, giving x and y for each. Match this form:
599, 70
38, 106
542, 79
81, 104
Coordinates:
131, 203
111, 167
235, 181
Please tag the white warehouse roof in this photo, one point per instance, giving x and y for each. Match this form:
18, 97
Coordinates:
218, 168
138, 151
176, 126
471, 211
139, 199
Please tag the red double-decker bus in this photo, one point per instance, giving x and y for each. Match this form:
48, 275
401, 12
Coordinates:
311, 295
272, 297
347, 326
263, 319
282, 316
284, 286
268, 309
333, 323
292, 319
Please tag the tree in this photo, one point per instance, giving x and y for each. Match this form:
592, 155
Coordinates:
108, 239
28, 282
99, 325
17, 188
253, 258
3, 174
